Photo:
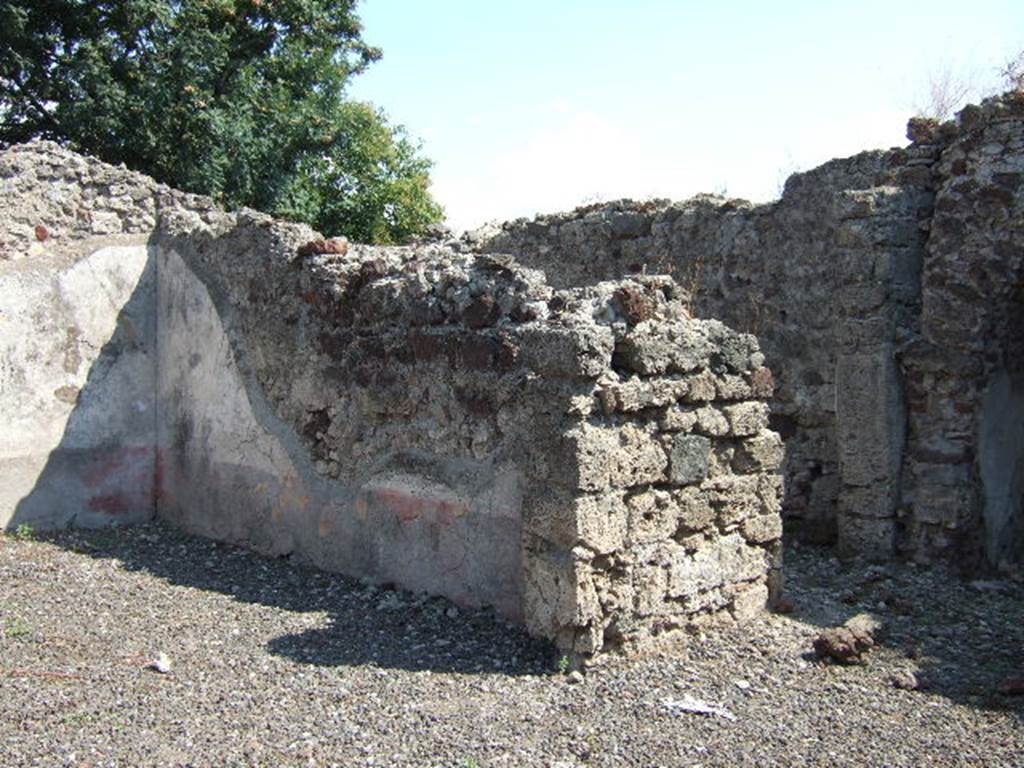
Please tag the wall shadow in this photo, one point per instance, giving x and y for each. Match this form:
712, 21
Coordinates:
106, 472
102, 472
366, 625
961, 639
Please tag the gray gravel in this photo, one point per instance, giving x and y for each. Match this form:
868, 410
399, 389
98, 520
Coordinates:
273, 664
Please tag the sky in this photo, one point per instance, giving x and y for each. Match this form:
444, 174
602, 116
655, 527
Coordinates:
536, 107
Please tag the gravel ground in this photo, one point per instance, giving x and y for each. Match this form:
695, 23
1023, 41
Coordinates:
273, 664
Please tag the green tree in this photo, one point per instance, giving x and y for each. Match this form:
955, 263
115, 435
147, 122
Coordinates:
242, 100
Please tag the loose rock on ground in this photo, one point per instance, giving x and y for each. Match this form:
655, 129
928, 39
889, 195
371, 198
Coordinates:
274, 664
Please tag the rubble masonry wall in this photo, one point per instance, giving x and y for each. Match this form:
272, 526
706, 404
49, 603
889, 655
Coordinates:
885, 289
591, 462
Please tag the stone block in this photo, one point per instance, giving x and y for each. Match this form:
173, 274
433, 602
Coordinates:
869, 538
762, 383
638, 394
731, 387
875, 501
677, 418
615, 594
610, 457
711, 422
746, 419
597, 522
727, 560
650, 588
695, 512
762, 529
857, 299
652, 516
629, 224
601, 522
941, 505
869, 417
558, 591
702, 387
653, 348
749, 601
571, 353
105, 223
734, 498
770, 487
689, 459
763, 452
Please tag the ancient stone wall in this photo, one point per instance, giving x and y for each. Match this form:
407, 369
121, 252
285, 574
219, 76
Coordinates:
546, 432
964, 468
78, 330
823, 277
58, 203
592, 462
870, 280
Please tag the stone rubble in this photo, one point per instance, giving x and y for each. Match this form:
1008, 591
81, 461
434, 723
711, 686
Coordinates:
848, 643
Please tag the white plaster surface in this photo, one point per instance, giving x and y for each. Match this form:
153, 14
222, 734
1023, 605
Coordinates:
77, 399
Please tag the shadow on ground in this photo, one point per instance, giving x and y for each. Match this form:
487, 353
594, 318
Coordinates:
960, 639
366, 625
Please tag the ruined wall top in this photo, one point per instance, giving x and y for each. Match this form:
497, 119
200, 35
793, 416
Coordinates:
592, 460
54, 199
626, 219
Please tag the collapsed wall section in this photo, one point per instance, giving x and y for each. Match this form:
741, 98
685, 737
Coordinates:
591, 462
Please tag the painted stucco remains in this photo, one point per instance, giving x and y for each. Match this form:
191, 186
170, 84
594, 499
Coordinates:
78, 333
77, 399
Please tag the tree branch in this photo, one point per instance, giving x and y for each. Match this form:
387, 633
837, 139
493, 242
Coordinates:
44, 114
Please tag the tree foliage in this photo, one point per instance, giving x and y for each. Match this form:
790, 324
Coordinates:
242, 100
